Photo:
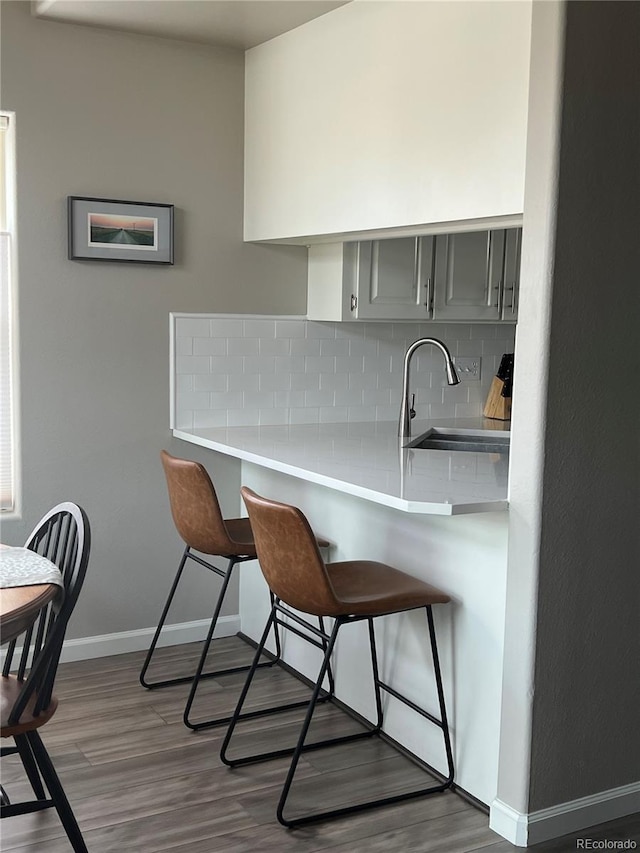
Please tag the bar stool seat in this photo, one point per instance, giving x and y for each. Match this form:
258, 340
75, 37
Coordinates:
199, 521
376, 589
350, 591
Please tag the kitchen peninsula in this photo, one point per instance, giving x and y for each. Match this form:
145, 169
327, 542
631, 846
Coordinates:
439, 515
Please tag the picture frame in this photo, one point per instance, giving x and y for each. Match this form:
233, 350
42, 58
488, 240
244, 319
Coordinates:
106, 229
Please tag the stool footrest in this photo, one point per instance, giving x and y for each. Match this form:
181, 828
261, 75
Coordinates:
278, 753
360, 807
411, 704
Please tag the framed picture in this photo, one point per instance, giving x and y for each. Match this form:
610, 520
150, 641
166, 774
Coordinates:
105, 229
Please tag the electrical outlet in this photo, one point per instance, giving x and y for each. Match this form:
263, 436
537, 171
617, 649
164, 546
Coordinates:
468, 368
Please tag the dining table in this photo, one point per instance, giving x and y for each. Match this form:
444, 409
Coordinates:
28, 581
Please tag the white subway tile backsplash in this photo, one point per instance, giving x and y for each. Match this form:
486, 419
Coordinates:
274, 346
349, 364
349, 398
242, 417
184, 346
334, 381
274, 381
209, 346
260, 329
192, 364
227, 364
258, 400
227, 400
193, 400
184, 419
357, 414
207, 418
289, 364
319, 398
319, 364
245, 371
305, 381
211, 382
306, 346
304, 415
243, 382
320, 330
360, 381
243, 346
272, 417
291, 328
259, 364
333, 414
289, 399
223, 327
334, 347
190, 327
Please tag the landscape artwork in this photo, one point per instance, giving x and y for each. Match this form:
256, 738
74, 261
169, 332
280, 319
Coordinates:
133, 231
107, 229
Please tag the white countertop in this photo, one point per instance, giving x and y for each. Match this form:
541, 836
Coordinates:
368, 461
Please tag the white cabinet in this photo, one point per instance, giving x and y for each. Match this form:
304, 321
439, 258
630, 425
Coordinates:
346, 133
466, 277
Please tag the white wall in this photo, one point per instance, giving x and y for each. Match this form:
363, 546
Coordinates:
387, 114
105, 114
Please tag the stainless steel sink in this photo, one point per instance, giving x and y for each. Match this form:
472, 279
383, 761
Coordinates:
474, 441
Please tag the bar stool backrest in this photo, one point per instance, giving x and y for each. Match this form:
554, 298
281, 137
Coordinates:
194, 506
289, 556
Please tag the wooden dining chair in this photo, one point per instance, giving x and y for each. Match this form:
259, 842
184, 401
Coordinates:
28, 675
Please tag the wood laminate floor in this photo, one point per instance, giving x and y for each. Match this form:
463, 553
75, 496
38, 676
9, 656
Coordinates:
140, 782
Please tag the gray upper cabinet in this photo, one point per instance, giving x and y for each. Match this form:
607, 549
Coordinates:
464, 277
393, 278
468, 276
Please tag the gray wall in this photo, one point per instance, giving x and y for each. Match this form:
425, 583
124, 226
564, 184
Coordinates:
106, 114
587, 675
571, 676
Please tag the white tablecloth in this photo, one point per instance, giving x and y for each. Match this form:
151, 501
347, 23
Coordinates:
22, 567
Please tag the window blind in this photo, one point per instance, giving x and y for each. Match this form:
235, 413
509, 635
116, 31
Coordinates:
7, 422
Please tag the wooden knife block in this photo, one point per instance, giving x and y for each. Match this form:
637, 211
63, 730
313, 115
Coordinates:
497, 406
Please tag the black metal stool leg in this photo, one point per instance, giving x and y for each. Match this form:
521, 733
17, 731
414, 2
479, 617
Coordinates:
376, 674
182, 680
379, 685
443, 709
203, 657
307, 722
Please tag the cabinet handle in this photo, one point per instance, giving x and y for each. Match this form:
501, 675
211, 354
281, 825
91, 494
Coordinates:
512, 288
354, 302
500, 303
428, 296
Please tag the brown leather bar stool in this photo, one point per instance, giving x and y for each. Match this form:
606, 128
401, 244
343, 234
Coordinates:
348, 592
198, 519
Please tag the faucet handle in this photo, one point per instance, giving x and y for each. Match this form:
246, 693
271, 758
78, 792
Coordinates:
412, 411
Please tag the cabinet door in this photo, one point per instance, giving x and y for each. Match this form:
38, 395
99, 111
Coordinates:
509, 307
394, 278
468, 276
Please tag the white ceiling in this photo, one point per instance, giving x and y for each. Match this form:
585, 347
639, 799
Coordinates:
234, 23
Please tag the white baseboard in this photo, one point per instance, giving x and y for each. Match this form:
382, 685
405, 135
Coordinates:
527, 829
103, 645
